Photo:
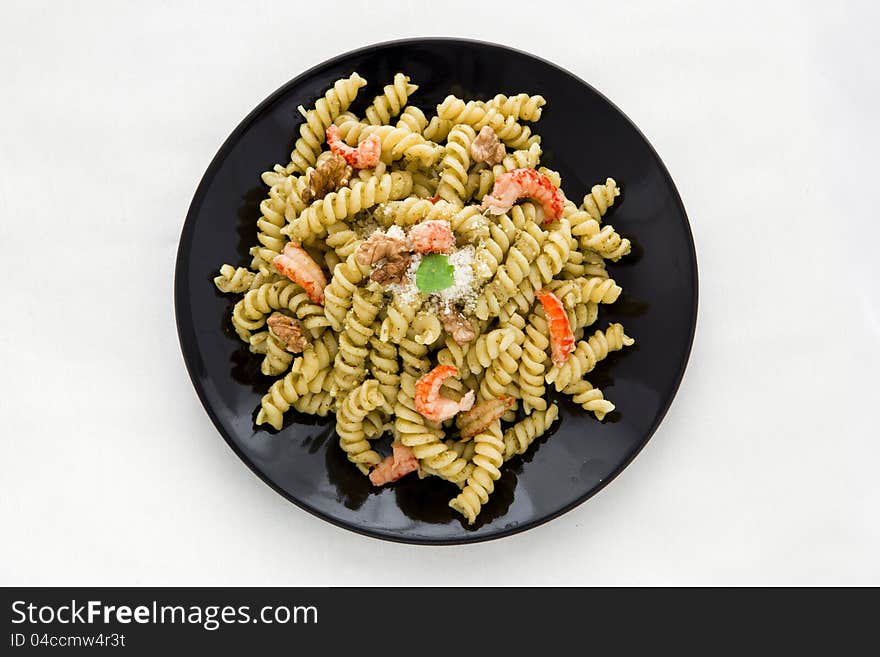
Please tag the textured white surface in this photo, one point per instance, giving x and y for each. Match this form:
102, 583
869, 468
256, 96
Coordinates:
765, 471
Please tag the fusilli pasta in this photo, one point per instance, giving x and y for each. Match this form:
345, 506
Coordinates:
408, 289
312, 132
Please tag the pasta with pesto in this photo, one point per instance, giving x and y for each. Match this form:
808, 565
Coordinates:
418, 274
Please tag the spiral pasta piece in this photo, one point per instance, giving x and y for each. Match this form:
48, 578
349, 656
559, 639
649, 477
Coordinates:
525, 254
554, 254
488, 457
351, 129
587, 354
312, 132
455, 354
403, 143
346, 277
489, 347
315, 403
479, 183
581, 315
437, 129
519, 437
349, 366
604, 240
271, 222
465, 450
589, 398
348, 201
281, 396
462, 450
553, 176
520, 303
477, 114
519, 107
234, 280
391, 101
509, 130
468, 223
384, 368
534, 362
413, 356
375, 423
411, 211
607, 242
306, 375
427, 328
399, 316
293, 186
355, 407
457, 111
413, 118
491, 252
454, 165
249, 314
593, 289
584, 263
600, 198
276, 357
497, 379
342, 239
261, 279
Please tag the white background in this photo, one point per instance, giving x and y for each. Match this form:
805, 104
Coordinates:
765, 471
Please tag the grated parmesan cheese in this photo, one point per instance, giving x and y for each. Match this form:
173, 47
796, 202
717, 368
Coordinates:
396, 232
462, 290
407, 293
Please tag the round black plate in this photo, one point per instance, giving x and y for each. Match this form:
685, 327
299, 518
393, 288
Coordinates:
585, 138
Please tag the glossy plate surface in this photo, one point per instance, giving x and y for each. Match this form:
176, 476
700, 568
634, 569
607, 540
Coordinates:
585, 138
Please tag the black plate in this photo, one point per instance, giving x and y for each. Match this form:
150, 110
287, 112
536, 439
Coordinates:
585, 138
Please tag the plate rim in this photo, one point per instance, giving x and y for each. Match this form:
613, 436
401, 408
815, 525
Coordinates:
183, 255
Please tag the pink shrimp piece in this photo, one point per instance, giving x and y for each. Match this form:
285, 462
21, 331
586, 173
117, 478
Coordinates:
365, 156
400, 463
428, 401
432, 236
522, 183
296, 264
561, 336
483, 414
